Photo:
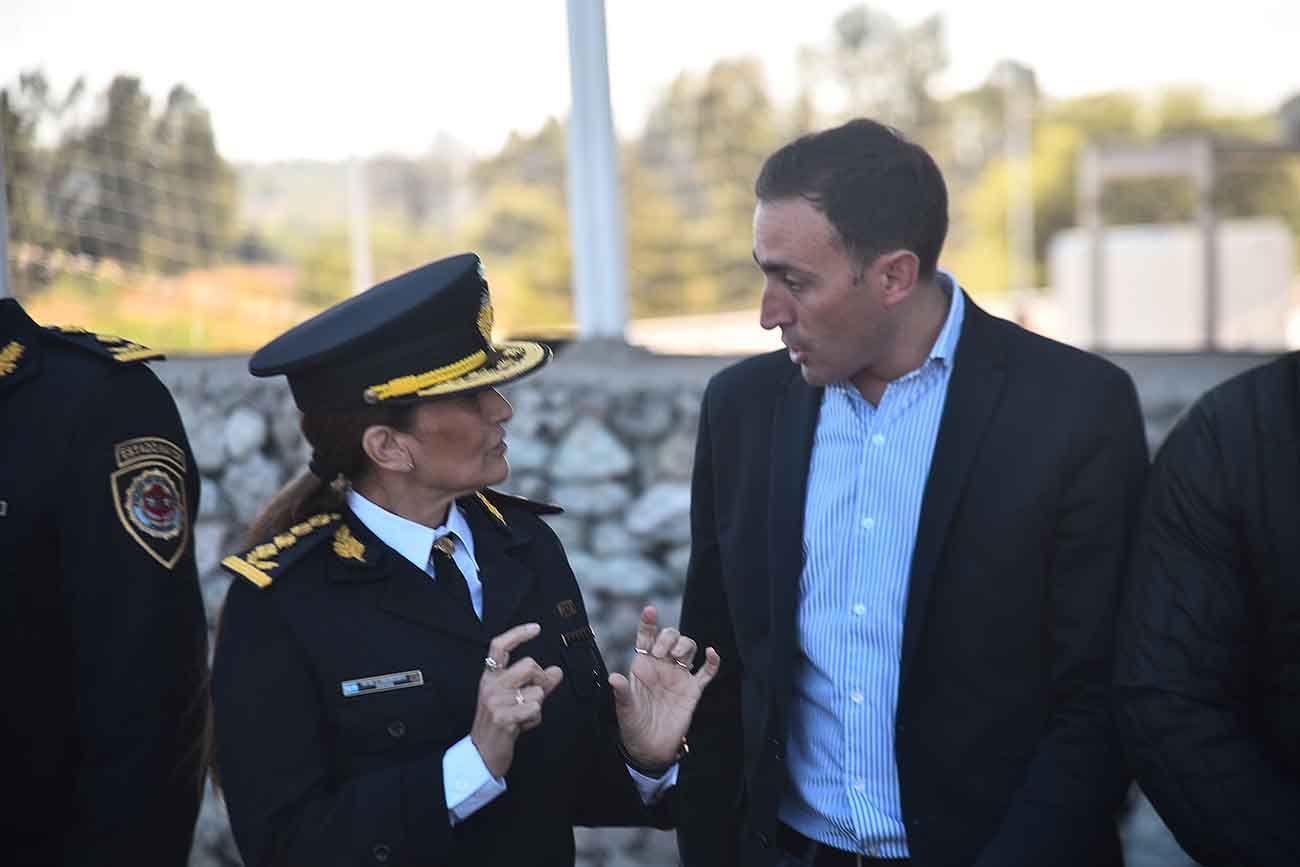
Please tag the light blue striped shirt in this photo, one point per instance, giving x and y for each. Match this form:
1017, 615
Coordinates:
865, 485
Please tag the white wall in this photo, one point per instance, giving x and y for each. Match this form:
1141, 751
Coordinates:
1153, 289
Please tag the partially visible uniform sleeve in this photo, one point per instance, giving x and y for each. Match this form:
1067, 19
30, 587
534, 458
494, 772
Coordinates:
1183, 670
132, 601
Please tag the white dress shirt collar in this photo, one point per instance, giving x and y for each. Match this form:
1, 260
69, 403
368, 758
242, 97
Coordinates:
412, 540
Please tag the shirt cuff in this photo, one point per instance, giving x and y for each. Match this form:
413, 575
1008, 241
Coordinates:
466, 781
653, 788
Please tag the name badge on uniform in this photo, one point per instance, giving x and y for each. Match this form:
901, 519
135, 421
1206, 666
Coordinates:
381, 683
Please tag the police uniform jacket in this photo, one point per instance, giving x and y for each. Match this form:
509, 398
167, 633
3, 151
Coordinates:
312, 775
102, 629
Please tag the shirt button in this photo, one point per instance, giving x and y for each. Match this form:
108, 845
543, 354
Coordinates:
859, 609
856, 695
878, 439
397, 729
860, 784
381, 852
868, 523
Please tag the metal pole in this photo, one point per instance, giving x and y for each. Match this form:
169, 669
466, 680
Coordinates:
1208, 219
1018, 125
1088, 191
359, 225
595, 199
4, 223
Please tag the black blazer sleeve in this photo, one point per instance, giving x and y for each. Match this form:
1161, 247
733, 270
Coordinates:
1076, 776
710, 785
1182, 670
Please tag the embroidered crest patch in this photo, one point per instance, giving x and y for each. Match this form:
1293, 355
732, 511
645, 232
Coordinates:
149, 492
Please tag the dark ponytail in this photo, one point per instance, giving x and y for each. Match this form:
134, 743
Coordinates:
335, 438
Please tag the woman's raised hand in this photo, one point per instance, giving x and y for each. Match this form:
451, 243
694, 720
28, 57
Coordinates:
510, 698
657, 698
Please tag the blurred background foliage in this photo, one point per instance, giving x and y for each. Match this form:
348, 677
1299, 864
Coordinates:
124, 214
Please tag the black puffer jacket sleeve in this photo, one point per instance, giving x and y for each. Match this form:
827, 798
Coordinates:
1189, 653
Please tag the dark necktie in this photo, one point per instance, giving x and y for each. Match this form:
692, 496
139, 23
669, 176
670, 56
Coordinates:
447, 573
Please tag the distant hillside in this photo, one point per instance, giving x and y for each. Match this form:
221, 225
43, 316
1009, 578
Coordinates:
307, 195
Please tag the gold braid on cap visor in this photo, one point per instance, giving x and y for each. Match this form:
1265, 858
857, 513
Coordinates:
404, 385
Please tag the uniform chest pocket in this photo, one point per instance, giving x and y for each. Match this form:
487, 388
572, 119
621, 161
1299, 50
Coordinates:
584, 668
380, 722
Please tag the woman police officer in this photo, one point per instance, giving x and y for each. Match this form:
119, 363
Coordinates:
405, 672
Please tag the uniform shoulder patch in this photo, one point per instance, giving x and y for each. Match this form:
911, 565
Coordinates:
148, 487
265, 562
493, 501
117, 349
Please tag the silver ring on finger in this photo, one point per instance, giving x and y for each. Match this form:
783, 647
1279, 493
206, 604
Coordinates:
491, 664
519, 696
681, 663
641, 651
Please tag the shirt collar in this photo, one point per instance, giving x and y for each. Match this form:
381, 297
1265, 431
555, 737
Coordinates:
945, 345
412, 540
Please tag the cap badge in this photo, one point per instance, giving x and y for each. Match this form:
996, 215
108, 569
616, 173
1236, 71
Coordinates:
486, 320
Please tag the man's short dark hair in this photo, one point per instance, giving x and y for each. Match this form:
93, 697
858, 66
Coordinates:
880, 191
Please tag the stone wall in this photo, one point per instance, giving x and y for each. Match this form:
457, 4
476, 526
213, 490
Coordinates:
608, 432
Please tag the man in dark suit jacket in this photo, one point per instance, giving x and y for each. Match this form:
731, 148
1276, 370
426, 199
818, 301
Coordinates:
909, 532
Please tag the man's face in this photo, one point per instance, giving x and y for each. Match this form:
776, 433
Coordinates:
830, 322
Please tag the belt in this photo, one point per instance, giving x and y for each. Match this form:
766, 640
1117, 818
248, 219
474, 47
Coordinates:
820, 855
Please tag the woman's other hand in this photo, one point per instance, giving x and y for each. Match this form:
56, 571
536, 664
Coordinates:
509, 698
657, 698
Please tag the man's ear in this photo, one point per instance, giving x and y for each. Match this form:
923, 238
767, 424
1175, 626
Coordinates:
897, 271
385, 450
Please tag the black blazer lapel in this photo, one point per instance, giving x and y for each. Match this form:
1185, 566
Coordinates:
794, 424
973, 392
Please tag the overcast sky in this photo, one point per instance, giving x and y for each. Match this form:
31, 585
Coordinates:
290, 78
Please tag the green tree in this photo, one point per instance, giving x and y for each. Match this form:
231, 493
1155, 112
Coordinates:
194, 219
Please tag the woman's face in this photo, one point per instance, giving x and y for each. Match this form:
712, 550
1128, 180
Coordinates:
458, 443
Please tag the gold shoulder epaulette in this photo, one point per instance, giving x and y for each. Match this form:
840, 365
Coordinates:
263, 563
492, 500
117, 349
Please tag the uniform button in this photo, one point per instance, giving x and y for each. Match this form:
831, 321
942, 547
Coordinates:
859, 609
868, 523
381, 852
878, 439
397, 728
856, 695
860, 784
